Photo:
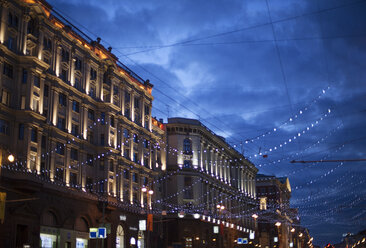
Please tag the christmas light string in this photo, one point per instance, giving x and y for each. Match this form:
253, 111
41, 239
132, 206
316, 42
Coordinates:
299, 113
296, 136
319, 141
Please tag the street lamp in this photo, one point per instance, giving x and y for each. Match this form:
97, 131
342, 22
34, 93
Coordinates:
255, 216
11, 158
144, 189
278, 224
151, 192
293, 230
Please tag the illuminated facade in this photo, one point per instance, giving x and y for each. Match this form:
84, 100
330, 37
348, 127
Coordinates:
279, 225
79, 125
211, 184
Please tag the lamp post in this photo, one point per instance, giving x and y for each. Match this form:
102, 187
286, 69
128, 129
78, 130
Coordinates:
255, 217
220, 209
278, 224
150, 192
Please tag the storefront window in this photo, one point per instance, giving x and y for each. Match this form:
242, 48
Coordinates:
81, 243
48, 240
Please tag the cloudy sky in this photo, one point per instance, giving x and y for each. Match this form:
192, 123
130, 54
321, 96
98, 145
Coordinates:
281, 78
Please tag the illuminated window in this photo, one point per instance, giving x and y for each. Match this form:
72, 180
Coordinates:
263, 203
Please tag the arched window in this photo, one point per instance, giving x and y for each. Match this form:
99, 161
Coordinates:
187, 146
49, 219
81, 225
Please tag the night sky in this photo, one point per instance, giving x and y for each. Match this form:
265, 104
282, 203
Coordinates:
280, 78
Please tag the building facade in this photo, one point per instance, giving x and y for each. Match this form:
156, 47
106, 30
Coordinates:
210, 193
78, 125
278, 223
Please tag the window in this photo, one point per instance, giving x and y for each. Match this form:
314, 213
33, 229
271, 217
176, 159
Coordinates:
126, 153
24, 76
62, 99
89, 184
8, 70
135, 178
135, 138
263, 203
65, 55
37, 81
47, 44
75, 106
63, 75
59, 174
147, 110
187, 164
127, 112
11, 43
74, 154
111, 166
126, 133
78, 64
126, 174
61, 123
112, 121
93, 74
135, 157
77, 83
4, 126
127, 97
146, 143
34, 135
46, 90
21, 131
115, 90
92, 91
188, 192
102, 118
75, 129
90, 137
91, 114
187, 146
5, 97
43, 141
137, 102
13, 20
146, 162
60, 148
89, 159
73, 179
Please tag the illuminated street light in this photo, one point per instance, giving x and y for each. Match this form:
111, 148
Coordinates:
144, 189
255, 216
151, 192
278, 224
300, 235
11, 158
222, 207
218, 206
292, 229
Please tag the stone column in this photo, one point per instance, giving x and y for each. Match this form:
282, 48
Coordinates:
54, 107
24, 31
4, 20
69, 115
40, 43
